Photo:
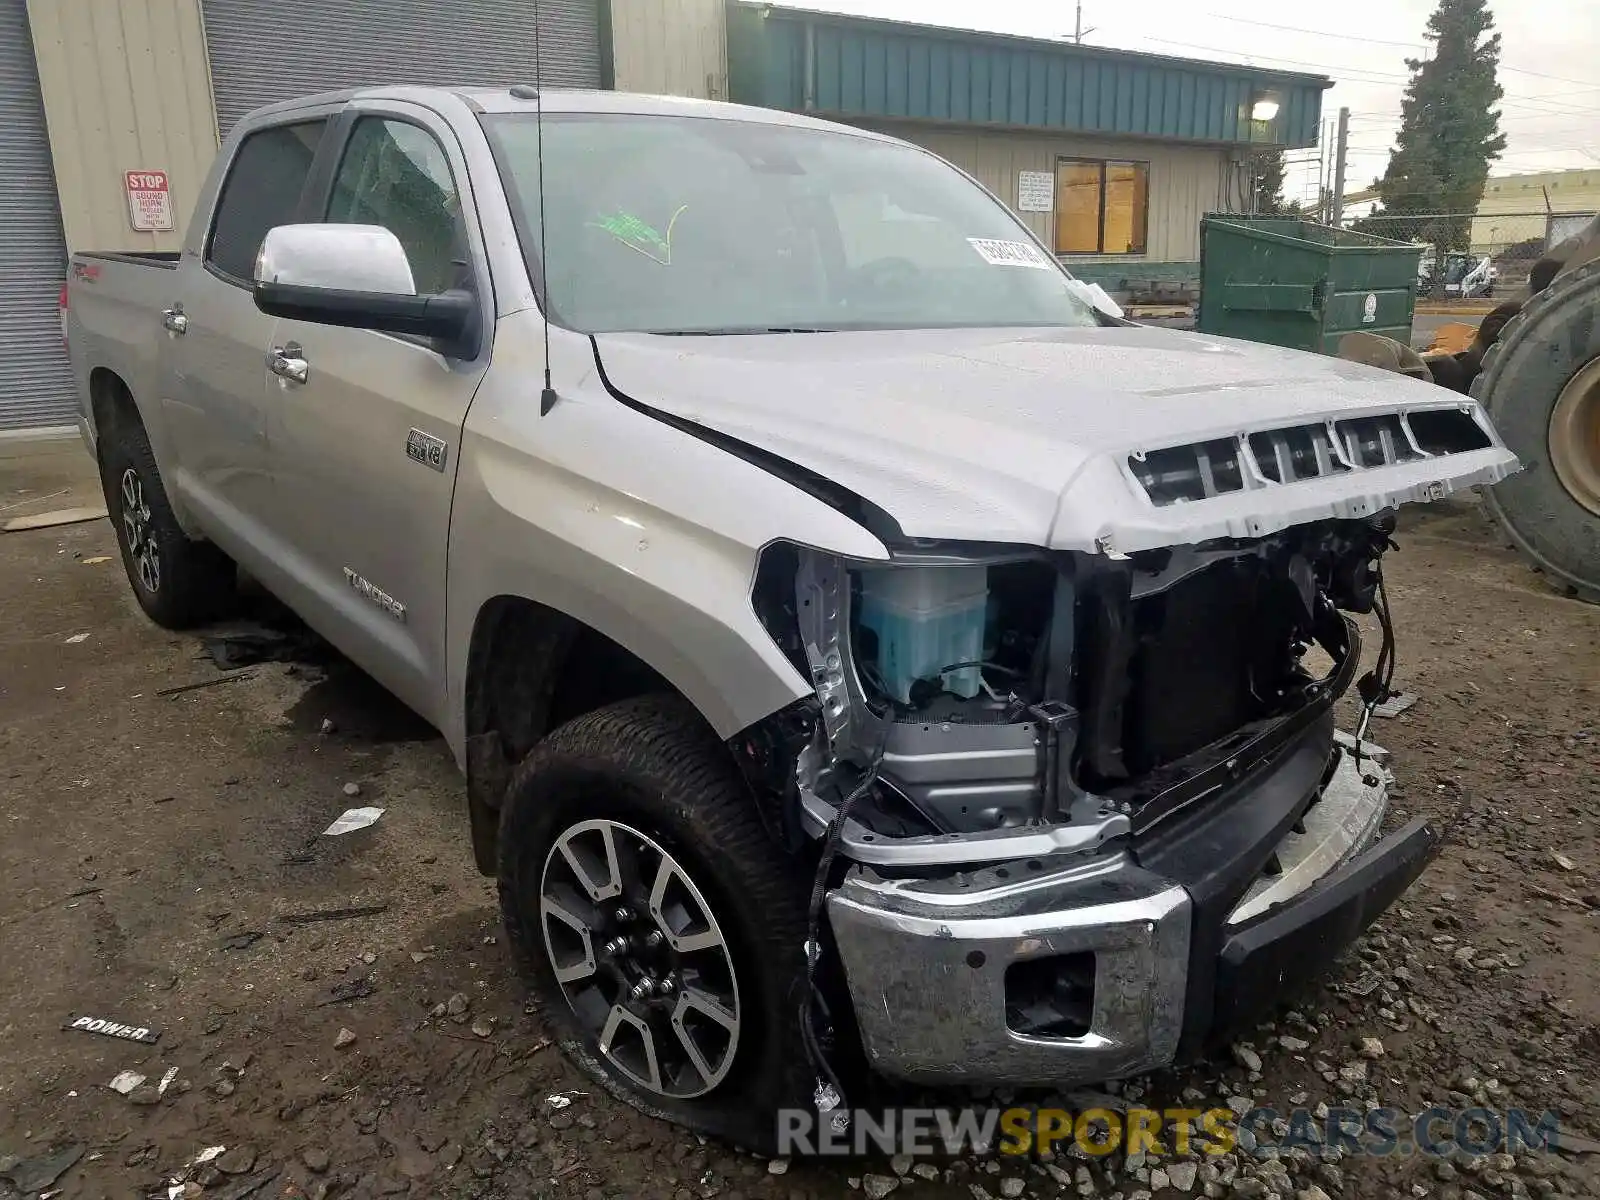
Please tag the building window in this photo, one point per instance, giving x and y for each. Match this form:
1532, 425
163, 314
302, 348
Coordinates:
1101, 207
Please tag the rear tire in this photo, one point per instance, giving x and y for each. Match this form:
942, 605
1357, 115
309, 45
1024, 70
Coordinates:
178, 582
1541, 386
639, 792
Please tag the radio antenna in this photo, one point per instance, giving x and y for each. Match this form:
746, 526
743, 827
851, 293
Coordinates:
547, 398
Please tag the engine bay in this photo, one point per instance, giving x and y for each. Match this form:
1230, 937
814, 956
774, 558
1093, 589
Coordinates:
985, 691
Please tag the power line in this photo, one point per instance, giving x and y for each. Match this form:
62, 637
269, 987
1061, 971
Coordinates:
1382, 77
1386, 42
1416, 45
1588, 116
1585, 83
1350, 74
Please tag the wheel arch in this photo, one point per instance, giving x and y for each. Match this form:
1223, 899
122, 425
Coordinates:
531, 668
111, 402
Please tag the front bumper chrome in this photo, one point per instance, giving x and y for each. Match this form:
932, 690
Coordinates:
927, 959
927, 963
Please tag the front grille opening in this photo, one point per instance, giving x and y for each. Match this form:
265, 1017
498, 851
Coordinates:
1189, 472
1051, 997
1447, 431
1375, 441
1289, 455
1209, 651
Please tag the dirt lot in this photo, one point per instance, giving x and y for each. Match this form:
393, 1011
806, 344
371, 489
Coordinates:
154, 846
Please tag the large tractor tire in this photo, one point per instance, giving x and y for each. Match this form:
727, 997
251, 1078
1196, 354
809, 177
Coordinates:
1541, 386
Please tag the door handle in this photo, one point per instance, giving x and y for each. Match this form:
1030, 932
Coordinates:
174, 320
286, 362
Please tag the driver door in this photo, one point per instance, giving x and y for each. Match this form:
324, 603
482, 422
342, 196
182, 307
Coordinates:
365, 426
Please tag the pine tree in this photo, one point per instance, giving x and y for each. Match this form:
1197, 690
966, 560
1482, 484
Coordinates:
1266, 182
1449, 131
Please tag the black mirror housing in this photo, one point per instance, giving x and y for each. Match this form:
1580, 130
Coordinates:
449, 318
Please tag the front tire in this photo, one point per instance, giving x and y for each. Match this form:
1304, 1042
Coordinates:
178, 582
657, 926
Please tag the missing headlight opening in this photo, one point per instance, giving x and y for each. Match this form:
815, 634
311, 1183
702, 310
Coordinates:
1036, 702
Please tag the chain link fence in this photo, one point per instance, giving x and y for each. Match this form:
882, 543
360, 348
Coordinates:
1499, 248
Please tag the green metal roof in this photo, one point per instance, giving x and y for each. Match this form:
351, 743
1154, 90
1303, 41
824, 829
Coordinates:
857, 67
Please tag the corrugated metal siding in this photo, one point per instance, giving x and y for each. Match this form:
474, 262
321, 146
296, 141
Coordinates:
1186, 182
870, 69
670, 47
35, 383
262, 52
126, 88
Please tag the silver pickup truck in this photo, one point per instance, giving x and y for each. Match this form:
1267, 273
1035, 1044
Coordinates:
862, 652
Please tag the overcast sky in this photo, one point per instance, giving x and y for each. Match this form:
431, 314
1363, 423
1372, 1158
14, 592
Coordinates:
1549, 62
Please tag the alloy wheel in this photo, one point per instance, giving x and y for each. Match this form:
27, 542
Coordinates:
641, 958
140, 535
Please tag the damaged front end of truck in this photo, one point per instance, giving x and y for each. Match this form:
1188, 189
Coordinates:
1085, 809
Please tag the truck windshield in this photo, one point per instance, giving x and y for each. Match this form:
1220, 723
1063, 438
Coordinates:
664, 224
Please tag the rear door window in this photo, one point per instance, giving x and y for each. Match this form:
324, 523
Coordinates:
262, 190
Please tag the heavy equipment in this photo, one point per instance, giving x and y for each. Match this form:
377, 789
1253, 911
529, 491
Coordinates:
1535, 366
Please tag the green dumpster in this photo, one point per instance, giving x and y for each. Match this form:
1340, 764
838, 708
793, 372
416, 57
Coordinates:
1296, 283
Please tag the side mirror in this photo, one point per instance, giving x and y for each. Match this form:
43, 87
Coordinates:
355, 276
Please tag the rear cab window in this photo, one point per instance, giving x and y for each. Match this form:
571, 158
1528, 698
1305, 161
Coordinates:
262, 189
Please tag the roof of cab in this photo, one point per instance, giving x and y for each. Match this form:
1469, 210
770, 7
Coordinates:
564, 100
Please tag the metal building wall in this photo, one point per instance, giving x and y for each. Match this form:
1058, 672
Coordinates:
861, 68
670, 47
35, 385
125, 88
262, 51
1186, 182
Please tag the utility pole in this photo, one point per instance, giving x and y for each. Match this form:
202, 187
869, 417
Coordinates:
1322, 175
1078, 31
1341, 145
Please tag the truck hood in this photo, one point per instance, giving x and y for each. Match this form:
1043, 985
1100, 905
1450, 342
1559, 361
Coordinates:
1025, 435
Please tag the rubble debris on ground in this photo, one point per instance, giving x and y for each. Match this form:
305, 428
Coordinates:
332, 914
347, 990
1397, 703
124, 1082
352, 819
181, 688
59, 516
246, 645
40, 1172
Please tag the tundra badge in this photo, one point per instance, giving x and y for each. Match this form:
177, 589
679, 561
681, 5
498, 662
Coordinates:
426, 449
377, 595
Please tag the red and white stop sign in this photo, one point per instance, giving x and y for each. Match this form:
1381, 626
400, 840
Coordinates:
149, 200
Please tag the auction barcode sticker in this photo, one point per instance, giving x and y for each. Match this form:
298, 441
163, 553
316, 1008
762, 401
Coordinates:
1010, 254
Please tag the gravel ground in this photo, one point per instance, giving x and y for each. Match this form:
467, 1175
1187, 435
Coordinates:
158, 850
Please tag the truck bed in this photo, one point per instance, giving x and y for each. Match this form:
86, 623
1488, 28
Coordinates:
115, 301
